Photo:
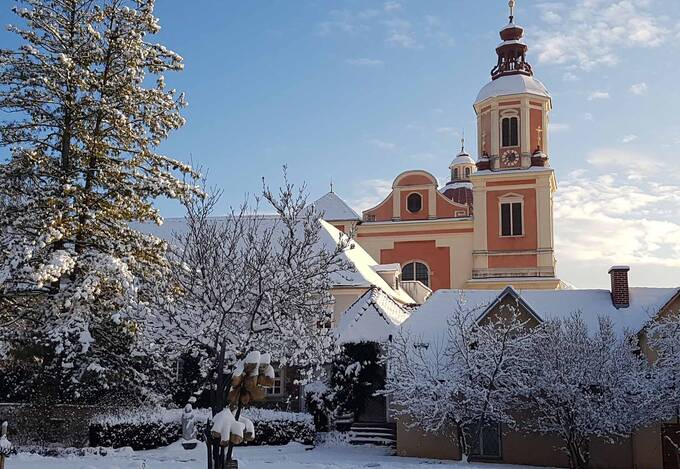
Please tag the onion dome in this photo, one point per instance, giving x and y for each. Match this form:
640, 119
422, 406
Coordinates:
459, 188
463, 165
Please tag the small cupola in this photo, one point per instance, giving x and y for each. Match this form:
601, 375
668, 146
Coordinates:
512, 52
463, 166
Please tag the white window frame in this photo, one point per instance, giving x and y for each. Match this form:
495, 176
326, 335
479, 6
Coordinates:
429, 271
511, 199
421, 202
509, 114
281, 379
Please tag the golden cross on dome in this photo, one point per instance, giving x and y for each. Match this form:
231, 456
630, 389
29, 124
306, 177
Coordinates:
511, 4
539, 131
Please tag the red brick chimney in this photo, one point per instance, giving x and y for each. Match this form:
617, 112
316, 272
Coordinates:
620, 291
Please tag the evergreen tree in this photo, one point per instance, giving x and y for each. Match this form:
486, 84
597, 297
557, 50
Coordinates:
89, 106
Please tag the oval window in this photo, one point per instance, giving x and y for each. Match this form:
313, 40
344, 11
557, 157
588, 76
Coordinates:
414, 203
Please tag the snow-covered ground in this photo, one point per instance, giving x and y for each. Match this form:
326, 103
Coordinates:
292, 456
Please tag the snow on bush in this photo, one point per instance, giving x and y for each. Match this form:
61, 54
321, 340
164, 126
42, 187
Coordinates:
152, 428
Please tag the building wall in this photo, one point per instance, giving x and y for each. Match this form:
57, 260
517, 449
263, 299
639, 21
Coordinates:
413, 443
344, 297
444, 245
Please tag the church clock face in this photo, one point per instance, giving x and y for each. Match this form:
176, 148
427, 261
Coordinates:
510, 158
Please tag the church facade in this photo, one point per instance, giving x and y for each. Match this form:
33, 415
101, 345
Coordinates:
491, 225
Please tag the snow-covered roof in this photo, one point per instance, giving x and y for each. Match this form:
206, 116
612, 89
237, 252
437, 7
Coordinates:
512, 84
429, 321
334, 208
387, 268
373, 317
456, 185
462, 158
365, 274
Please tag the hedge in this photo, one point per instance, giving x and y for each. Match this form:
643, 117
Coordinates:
153, 428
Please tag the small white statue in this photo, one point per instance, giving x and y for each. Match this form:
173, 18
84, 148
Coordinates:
5, 445
189, 430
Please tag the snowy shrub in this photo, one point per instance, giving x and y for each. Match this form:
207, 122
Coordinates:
153, 428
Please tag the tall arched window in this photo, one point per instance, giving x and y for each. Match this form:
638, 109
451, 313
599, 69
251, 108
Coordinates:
467, 172
455, 173
414, 202
510, 131
416, 271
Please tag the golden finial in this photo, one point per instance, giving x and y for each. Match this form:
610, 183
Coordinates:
331, 185
511, 4
462, 143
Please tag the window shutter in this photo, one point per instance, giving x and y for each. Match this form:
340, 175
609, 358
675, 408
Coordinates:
517, 219
505, 220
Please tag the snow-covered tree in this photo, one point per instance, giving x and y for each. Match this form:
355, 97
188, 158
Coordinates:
663, 339
88, 107
248, 281
463, 380
583, 384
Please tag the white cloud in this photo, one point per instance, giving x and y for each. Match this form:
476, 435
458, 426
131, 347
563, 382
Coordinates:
400, 33
391, 23
608, 220
365, 62
629, 138
391, 6
639, 88
369, 193
570, 77
588, 116
549, 16
613, 159
598, 95
589, 33
559, 127
383, 145
447, 130
402, 39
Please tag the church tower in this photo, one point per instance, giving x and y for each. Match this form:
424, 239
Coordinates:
513, 186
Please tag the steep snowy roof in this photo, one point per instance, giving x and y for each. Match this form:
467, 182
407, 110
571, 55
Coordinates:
364, 274
373, 317
430, 320
512, 84
334, 208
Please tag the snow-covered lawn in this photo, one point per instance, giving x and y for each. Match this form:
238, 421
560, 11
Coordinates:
293, 456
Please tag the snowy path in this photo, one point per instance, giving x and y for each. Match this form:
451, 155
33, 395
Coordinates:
293, 456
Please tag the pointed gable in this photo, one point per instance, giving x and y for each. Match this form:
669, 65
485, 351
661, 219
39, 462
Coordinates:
335, 209
373, 317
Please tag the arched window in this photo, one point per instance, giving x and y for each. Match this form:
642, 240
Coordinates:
467, 172
510, 131
414, 202
416, 271
455, 173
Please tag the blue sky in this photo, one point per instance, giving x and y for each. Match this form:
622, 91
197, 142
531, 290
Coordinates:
358, 91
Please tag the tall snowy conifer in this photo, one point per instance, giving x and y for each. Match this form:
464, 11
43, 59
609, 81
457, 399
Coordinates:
88, 106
